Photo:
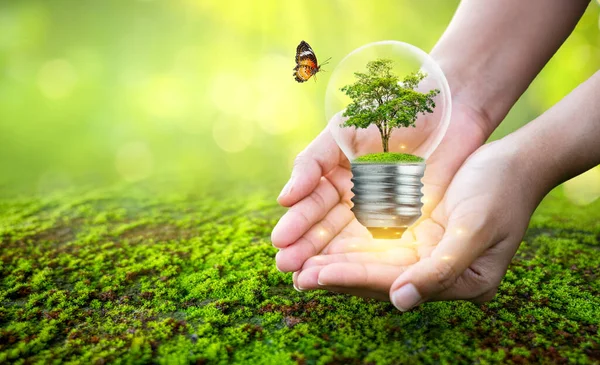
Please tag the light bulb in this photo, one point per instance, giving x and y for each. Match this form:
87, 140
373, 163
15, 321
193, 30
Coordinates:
385, 132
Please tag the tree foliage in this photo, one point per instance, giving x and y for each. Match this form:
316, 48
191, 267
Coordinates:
379, 97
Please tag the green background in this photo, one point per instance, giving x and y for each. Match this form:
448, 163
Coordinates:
103, 91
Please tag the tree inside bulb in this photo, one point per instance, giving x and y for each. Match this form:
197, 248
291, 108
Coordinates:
388, 105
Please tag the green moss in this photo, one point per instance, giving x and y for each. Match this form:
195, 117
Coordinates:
131, 275
389, 157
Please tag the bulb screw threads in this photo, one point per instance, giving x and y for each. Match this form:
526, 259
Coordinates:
387, 197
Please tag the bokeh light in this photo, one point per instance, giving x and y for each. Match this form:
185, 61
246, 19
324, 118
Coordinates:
585, 188
233, 135
134, 161
123, 91
164, 97
57, 78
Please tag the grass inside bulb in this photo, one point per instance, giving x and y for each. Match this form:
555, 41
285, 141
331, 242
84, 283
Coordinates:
388, 105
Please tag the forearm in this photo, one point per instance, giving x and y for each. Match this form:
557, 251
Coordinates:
492, 50
563, 142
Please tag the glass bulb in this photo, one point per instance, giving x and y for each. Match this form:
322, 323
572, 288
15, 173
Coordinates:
380, 133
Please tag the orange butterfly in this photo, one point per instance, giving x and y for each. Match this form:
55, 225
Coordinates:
306, 62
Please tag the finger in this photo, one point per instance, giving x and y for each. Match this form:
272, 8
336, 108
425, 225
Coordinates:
341, 178
362, 244
464, 240
353, 230
468, 286
427, 234
309, 281
303, 215
363, 293
485, 297
479, 282
292, 257
367, 276
294, 278
433, 192
399, 256
320, 157
425, 251
465, 134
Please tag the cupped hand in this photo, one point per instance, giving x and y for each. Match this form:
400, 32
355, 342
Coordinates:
464, 247
319, 198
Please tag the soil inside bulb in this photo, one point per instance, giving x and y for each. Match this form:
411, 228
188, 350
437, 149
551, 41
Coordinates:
389, 157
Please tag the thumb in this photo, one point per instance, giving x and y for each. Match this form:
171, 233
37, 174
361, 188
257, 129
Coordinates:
462, 243
320, 157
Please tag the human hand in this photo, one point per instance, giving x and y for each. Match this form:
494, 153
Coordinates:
318, 193
464, 248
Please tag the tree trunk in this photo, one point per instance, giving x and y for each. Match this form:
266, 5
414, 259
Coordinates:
385, 139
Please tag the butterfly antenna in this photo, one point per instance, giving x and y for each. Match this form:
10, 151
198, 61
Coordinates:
323, 64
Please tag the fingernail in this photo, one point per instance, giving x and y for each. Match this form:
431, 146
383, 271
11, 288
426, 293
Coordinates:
320, 281
297, 288
287, 188
406, 297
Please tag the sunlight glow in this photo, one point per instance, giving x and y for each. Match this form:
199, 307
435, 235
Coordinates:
233, 134
585, 188
57, 78
164, 97
134, 161
232, 93
285, 109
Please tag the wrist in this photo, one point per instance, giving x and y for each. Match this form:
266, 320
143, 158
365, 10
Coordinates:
518, 170
490, 55
530, 163
563, 142
468, 92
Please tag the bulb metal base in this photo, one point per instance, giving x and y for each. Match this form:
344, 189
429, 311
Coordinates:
387, 197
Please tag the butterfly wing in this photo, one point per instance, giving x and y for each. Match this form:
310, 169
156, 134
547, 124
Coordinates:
303, 73
306, 62
304, 50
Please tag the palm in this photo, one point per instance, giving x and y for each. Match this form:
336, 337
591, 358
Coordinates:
322, 222
321, 219
370, 268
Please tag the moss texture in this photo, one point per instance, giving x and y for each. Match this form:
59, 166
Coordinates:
389, 157
129, 275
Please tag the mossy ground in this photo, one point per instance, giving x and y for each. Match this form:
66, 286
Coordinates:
129, 275
388, 157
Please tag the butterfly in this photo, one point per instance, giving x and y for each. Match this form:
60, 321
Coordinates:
306, 63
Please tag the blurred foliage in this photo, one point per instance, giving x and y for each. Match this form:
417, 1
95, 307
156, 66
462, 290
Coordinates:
112, 90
